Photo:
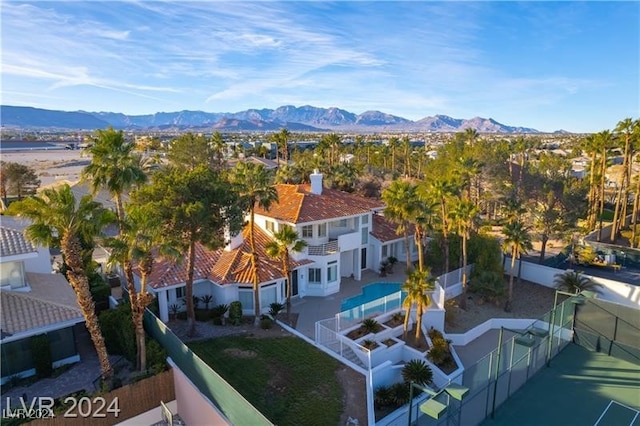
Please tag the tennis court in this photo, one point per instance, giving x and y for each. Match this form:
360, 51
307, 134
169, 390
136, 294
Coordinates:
580, 388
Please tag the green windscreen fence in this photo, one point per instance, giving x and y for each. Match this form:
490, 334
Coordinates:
609, 328
233, 405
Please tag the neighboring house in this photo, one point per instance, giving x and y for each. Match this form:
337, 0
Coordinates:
344, 232
34, 301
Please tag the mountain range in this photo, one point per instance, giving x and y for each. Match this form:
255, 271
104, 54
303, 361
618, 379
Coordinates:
304, 118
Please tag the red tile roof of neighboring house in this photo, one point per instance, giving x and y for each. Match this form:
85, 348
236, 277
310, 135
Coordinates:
223, 267
298, 205
383, 230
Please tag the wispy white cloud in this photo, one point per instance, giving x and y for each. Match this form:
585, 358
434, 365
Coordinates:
407, 58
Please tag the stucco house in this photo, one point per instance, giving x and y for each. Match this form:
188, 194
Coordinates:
345, 234
34, 302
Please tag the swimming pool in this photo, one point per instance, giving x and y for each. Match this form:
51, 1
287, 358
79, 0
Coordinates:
370, 293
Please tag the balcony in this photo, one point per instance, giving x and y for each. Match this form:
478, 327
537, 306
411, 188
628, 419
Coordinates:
324, 249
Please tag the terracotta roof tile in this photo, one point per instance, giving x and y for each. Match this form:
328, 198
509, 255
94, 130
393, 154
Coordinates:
223, 267
298, 205
383, 230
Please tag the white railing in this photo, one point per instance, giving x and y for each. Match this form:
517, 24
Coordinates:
376, 307
324, 249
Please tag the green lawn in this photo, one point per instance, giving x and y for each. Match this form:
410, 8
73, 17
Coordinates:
288, 380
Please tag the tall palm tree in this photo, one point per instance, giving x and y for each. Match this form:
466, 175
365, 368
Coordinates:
418, 286
284, 242
400, 201
140, 243
575, 282
393, 144
59, 220
406, 150
517, 241
624, 129
463, 215
591, 146
605, 143
441, 190
114, 166
512, 209
255, 189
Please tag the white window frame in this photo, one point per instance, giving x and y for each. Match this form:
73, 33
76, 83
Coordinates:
270, 226
322, 229
307, 231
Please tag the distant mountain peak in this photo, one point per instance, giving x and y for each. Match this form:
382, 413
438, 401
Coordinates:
303, 118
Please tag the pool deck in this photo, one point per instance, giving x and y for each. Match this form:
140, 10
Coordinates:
313, 309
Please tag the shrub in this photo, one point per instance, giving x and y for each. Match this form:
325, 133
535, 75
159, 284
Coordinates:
266, 322
439, 352
370, 326
235, 312
399, 393
41, 352
434, 334
488, 284
174, 309
275, 308
383, 396
370, 344
206, 299
450, 312
118, 331
417, 371
397, 318
156, 357
218, 312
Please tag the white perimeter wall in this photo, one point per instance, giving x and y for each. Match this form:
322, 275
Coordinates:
613, 291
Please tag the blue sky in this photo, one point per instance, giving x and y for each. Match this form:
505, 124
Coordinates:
546, 65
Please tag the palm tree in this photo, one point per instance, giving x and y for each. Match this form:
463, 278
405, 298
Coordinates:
575, 282
285, 241
400, 201
517, 240
114, 166
512, 208
441, 189
417, 371
142, 239
624, 128
463, 215
605, 143
417, 286
591, 146
59, 220
255, 190
393, 144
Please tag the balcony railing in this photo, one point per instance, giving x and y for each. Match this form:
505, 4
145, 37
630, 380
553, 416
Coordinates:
324, 249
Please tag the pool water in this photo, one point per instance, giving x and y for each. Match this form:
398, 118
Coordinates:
370, 293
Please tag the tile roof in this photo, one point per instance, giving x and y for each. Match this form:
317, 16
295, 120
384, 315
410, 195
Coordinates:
223, 267
298, 205
13, 243
383, 230
51, 301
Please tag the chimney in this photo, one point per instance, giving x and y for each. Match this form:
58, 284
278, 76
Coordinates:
316, 182
233, 241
